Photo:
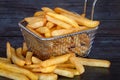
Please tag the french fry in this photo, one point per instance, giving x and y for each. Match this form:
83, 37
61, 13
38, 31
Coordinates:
15, 59
48, 34
14, 68
39, 14
24, 48
94, 62
8, 51
32, 66
79, 19
5, 60
58, 27
42, 30
36, 60
66, 65
77, 64
67, 31
12, 75
47, 9
35, 22
49, 76
83, 21
83, 15
64, 72
28, 59
56, 60
61, 32
58, 22
50, 25
74, 71
19, 53
35, 32
48, 69
64, 19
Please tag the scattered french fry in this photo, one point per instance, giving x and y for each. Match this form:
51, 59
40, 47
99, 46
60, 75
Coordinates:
66, 65
15, 59
49, 76
24, 48
58, 22
32, 66
64, 19
8, 51
12, 75
94, 62
28, 58
56, 60
19, 53
83, 15
64, 72
48, 69
5, 60
77, 64
14, 68
36, 60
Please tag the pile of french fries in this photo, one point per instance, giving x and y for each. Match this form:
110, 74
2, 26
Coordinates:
49, 23
21, 64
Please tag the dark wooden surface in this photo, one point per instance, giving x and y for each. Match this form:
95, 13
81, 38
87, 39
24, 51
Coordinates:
107, 41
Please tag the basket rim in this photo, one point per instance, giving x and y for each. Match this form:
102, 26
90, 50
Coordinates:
55, 37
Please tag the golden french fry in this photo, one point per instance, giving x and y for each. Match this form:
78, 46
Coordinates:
45, 76
83, 15
42, 30
50, 25
19, 53
36, 60
28, 59
34, 31
12, 75
74, 71
39, 14
17, 69
64, 72
58, 22
94, 62
66, 65
79, 19
32, 66
47, 9
48, 69
5, 60
8, 51
58, 27
77, 64
61, 32
56, 60
64, 19
35, 22
48, 34
15, 59
24, 48
83, 21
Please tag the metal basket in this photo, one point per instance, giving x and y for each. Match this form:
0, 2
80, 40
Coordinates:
78, 42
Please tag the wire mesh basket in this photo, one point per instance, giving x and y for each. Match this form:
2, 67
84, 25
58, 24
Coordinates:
79, 43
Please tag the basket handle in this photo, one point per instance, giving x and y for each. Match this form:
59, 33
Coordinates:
93, 8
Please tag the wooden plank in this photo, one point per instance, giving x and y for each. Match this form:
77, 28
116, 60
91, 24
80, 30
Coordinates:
105, 9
